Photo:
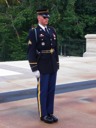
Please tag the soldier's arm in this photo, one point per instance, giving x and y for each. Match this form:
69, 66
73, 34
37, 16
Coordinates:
32, 50
57, 57
56, 49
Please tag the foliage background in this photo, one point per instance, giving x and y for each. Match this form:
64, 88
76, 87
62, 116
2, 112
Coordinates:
72, 19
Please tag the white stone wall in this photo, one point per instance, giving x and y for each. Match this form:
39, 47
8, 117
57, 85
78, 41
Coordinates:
90, 45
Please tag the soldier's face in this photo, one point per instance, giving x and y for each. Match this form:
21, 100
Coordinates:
42, 20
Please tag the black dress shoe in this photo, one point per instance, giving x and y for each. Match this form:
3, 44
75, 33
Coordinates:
47, 119
55, 119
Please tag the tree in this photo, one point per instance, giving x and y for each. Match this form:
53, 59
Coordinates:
86, 10
72, 19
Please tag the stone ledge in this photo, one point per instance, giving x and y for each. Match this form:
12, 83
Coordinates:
90, 36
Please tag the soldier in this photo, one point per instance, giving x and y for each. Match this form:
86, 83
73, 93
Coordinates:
44, 62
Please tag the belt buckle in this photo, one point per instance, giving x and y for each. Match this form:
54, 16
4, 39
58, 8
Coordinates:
51, 50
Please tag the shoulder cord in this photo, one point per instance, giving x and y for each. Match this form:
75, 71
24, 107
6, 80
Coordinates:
36, 34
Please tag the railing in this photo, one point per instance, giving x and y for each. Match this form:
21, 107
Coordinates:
73, 47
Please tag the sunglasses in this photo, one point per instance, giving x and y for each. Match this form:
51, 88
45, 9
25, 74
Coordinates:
45, 17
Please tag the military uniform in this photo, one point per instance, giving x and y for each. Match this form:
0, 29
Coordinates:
42, 50
43, 56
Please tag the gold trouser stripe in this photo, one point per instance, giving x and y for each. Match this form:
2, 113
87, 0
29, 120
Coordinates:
39, 104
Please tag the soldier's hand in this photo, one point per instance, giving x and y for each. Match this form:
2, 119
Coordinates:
36, 74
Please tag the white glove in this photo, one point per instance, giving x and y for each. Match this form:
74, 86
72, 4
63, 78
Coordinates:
37, 74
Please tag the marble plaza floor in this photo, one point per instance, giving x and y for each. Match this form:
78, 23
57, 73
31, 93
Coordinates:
75, 109
17, 75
